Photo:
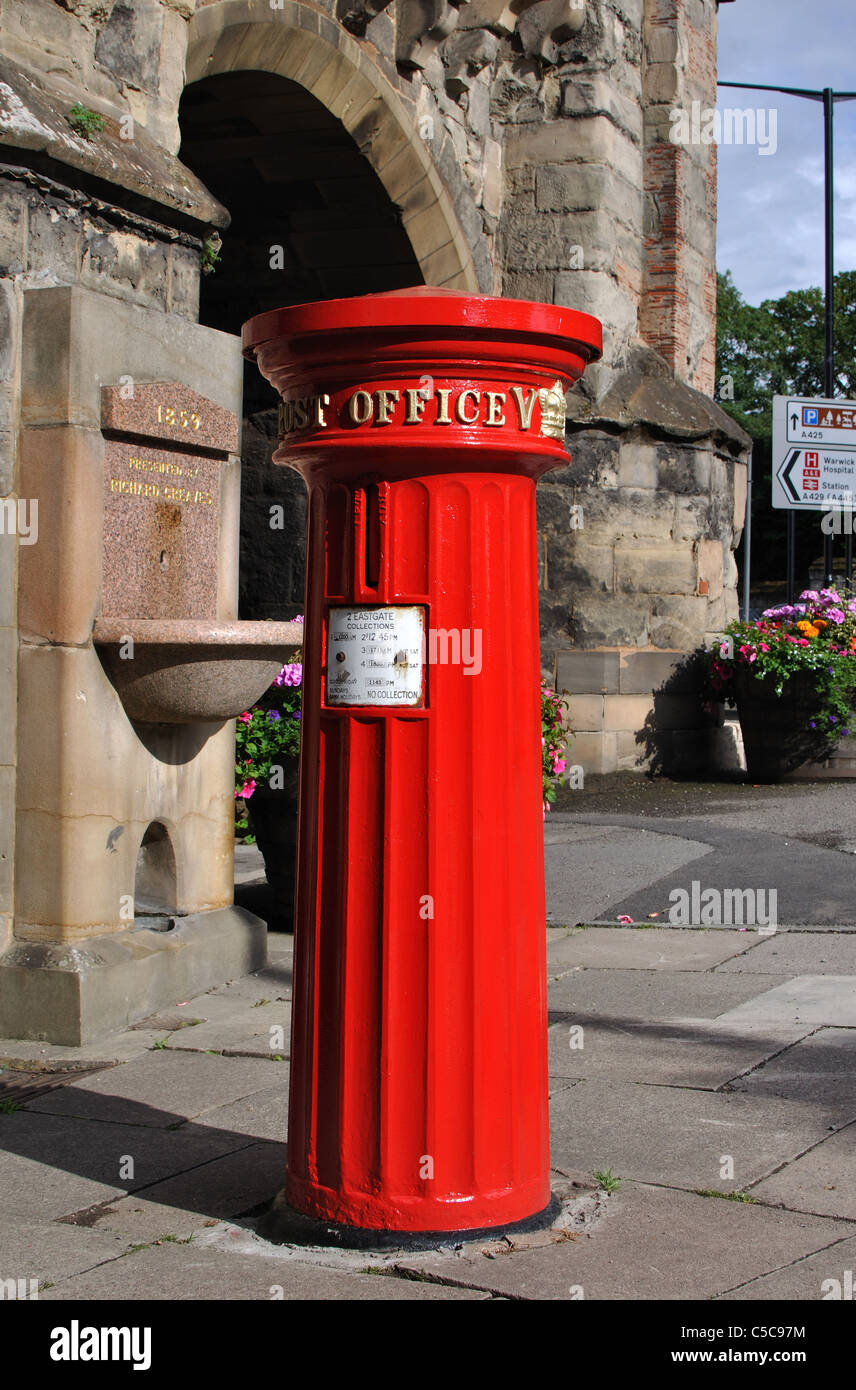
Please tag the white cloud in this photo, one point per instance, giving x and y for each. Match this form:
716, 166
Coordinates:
771, 213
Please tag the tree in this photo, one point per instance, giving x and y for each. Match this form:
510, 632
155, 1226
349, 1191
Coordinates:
777, 349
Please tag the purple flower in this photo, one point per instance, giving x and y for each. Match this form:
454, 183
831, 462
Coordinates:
785, 610
811, 724
273, 716
835, 615
833, 719
295, 714
291, 674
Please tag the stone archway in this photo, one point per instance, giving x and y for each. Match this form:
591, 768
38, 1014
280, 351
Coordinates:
299, 43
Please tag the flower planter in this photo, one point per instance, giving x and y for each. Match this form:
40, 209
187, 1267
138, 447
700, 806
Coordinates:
272, 814
776, 734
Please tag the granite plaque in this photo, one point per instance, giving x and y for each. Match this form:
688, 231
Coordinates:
164, 449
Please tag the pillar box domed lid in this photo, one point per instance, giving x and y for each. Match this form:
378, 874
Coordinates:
436, 323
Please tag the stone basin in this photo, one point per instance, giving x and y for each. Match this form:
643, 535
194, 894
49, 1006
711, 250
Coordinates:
194, 670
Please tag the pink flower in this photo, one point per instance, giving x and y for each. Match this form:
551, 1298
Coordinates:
247, 789
625, 920
291, 674
803, 642
245, 718
764, 647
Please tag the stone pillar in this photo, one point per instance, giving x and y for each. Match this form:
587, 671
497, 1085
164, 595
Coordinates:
637, 536
94, 789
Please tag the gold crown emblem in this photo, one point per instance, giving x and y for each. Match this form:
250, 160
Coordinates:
552, 400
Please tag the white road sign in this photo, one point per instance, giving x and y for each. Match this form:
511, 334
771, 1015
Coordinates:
814, 453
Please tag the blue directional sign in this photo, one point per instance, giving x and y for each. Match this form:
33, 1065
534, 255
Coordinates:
814, 454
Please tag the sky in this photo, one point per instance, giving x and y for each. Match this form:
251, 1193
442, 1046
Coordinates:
770, 233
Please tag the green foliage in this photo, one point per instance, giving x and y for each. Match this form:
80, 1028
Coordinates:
8, 1107
817, 635
778, 349
554, 739
85, 122
265, 738
606, 1179
268, 735
210, 254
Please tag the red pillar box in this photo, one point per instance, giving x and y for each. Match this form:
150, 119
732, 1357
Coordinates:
420, 421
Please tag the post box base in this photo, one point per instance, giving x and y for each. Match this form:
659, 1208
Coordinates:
283, 1225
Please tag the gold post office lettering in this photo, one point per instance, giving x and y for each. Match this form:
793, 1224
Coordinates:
408, 405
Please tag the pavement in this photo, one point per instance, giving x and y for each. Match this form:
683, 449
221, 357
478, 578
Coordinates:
710, 1068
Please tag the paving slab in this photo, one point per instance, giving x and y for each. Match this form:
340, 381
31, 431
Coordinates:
818, 1071
675, 1136
798, 953
56, 1164
41, 1056
249, 864
823, 1180
198, 1197
49, 1251
263, 1115
660, 1054
643, 948
813, 1001
653, 1243
653, 994
822, 1276
159, 1089
263, 1030
180, 1272
273, 981
587, 866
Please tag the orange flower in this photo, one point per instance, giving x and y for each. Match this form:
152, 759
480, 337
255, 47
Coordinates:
807, 629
